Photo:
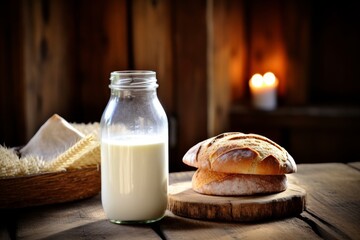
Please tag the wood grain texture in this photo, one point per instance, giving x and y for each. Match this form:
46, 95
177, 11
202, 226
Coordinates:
102, 47
85, 219
309, 134
296, 31
327, 185
355, 165
153, 45
190, 74
226, 54
12, 105
175, 227
82, 219
239, 49
184, 201
47, 61
218, 50
56, 56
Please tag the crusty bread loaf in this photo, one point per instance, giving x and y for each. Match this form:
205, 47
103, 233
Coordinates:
236, 152
225, 184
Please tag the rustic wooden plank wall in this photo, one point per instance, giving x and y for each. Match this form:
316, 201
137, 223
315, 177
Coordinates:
102, 47
296, 16
12, 109
69, 49
47, 61
152, 28
336, 35
56, 57
190, 74
227, 54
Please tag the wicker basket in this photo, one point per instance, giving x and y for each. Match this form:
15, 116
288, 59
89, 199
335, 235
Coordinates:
49, 188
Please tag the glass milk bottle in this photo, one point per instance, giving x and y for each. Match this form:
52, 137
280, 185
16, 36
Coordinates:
134, 150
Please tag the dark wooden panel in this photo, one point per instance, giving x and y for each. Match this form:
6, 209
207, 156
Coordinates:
309, 134
153, 45
296, 30
102, 47
190, 74
12, 117
57, 57
153, 49
226, 60
236, 22
313, 145
335, 68
59, 54
48, 61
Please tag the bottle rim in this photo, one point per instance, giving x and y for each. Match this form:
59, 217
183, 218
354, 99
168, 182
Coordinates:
133, 79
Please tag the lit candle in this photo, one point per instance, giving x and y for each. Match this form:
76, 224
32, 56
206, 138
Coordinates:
264, 91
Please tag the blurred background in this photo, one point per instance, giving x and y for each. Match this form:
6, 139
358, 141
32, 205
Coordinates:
56, 57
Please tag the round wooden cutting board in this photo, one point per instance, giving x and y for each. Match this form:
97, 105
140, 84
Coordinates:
184, 201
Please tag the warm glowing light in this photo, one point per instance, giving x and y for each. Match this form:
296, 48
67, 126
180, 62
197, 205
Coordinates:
264, 90
269, 79
265, 81
256, 80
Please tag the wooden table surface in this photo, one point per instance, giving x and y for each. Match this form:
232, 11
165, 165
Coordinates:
332, 212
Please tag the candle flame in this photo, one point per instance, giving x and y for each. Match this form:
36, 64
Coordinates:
256, 80
267, 80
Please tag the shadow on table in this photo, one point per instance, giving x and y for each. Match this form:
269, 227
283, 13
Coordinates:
106, 230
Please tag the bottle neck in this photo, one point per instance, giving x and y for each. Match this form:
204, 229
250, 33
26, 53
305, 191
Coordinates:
133, 80
131, 93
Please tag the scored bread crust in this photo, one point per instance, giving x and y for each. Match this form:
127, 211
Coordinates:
237, 152
225, 184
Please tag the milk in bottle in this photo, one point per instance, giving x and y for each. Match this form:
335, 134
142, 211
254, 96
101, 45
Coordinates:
134, 150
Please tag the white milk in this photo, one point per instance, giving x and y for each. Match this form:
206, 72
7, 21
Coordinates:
134, 179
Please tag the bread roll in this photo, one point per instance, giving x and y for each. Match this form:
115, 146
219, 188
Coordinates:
240, 153
225, 184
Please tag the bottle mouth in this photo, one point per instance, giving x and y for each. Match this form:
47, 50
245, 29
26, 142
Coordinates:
133, 79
